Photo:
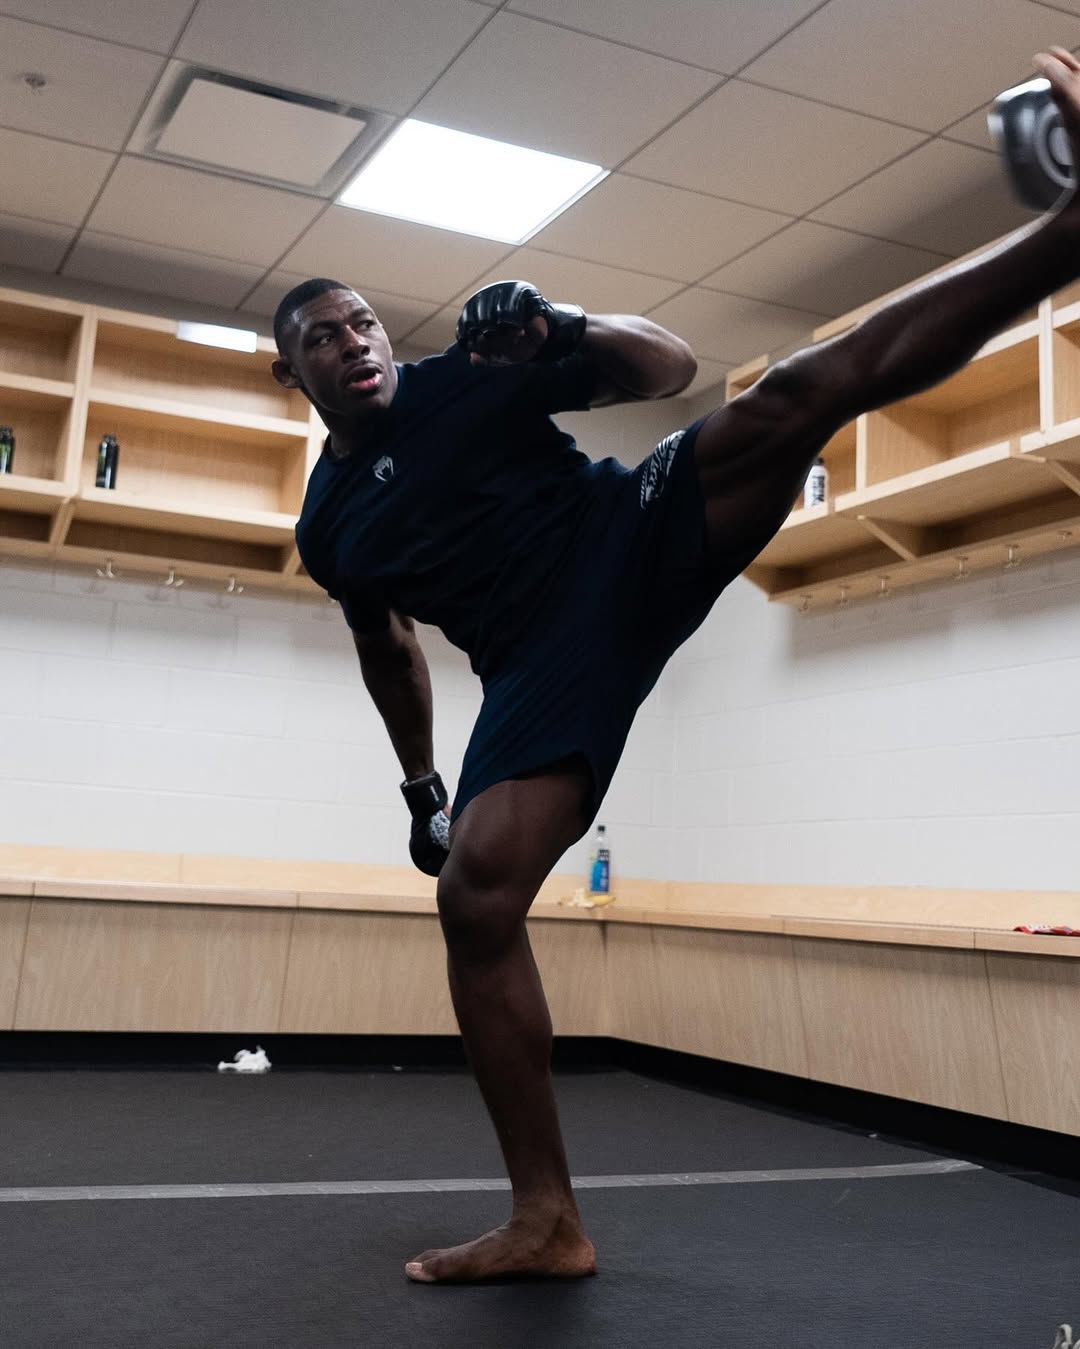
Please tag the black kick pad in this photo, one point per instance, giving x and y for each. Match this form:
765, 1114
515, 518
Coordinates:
1028, 131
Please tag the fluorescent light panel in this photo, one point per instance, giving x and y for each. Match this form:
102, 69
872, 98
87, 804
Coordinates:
210, 335
467, 183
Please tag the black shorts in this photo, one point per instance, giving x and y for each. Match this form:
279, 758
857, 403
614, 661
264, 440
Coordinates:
636, 583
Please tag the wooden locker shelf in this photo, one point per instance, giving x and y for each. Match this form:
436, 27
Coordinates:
953, 550
214, 457
153, 550
39, 337
139, 356
33, 495
971, 483
194, 418
40, 413
982, 470
146, 512
31, 391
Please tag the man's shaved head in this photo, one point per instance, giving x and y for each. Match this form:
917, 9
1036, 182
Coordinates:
296, 299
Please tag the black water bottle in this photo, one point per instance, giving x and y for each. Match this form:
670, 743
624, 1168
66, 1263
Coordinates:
107, 459
7, 448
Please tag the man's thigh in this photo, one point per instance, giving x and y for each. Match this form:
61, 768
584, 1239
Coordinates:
512, 834
752, 457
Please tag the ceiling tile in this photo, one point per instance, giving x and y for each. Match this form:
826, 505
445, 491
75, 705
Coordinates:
900, 61
133, 23
94, 89
159, 271
972, 130
65, 192
770, 149
395, 256
383, 54
719, 34
202, 213
32, 243
650, 227
597, 289
533, 84
710, 375
728, 328
397, 314
945, 197
438, 333
817, 267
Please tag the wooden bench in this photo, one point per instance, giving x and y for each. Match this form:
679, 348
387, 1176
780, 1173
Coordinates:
918, 994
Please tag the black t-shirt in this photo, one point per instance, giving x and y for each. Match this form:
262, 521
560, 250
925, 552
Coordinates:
459, 506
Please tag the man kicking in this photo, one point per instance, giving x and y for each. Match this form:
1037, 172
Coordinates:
446, 494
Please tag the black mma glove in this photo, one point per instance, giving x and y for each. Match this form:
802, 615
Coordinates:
512, 304
429, 841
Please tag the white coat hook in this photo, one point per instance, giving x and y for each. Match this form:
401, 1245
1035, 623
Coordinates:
883, 590
962, 572
842, 601
1013, 559
1065, 535
172, 580
804, 604
232, 588
108, 574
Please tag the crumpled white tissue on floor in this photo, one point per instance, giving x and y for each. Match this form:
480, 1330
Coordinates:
244, 1061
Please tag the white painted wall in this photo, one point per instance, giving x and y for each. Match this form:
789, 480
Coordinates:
139, 718
929, 739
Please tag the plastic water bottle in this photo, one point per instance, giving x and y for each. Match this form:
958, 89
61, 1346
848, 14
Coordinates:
7, 448
107, 460
816, 484
600, 864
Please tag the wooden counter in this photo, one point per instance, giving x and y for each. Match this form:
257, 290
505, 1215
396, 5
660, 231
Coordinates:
970, 1017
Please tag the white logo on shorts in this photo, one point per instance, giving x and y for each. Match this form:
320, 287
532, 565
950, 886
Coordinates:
384, 469
655, 471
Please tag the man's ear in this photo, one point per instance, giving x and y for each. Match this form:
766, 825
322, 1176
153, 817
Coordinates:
285, 375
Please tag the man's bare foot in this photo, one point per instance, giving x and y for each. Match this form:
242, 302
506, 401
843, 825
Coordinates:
552, 1249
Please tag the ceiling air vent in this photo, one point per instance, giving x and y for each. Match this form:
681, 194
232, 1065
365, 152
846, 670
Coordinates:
206, 120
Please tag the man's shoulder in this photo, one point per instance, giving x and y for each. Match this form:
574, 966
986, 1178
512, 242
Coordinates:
447, 365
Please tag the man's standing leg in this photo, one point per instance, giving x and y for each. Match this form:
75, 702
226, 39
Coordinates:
502, 848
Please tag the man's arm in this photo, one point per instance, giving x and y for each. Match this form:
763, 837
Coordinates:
397, 678
396, 674
636, 359
511, 323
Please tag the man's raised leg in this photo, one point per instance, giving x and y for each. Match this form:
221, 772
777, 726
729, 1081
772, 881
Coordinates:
753, 454
502, 848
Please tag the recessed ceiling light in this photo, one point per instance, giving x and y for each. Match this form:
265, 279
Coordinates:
211, 335
467, 183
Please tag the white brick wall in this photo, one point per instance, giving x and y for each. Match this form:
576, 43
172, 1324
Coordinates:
929, 739
139, 718
136, 718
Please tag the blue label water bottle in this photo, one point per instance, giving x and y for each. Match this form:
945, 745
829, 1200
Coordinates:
600, 868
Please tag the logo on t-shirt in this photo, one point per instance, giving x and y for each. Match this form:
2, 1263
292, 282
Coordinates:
384, 469
655, 470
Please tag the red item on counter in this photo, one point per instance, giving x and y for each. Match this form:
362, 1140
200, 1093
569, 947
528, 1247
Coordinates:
1041, 930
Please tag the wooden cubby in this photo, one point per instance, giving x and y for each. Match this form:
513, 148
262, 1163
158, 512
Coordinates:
44, 349
142, 358
39, 341
214, 455
196, 463
981, 471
